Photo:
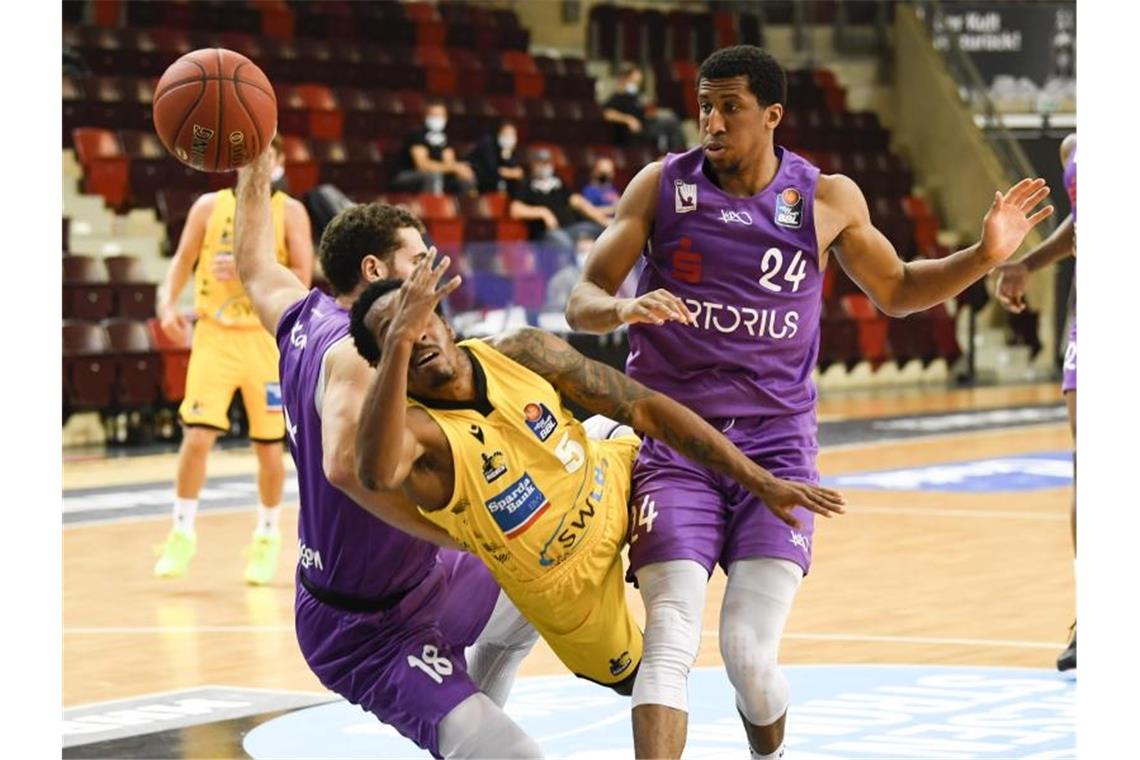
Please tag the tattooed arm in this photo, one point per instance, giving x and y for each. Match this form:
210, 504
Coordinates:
603, 390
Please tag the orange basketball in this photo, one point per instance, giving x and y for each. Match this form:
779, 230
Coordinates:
215, 110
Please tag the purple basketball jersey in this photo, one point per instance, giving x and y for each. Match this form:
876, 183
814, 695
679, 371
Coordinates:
343, 548
748, 270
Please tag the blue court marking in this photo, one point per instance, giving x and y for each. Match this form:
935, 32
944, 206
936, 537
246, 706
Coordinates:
1023, 472
839, 712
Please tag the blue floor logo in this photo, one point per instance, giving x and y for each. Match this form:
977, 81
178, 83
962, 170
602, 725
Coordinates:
839, 712
1024, 472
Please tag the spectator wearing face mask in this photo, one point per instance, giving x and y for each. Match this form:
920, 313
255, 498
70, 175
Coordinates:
601, 191
625, 111
427, 163
495, 160
554, 215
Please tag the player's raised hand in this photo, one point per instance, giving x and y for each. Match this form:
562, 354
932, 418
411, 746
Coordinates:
783, 496
655, 307
419, 296
1011, 217
1012, 282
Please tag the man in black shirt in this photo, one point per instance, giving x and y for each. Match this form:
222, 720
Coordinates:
554, 215
625, 112
427, 164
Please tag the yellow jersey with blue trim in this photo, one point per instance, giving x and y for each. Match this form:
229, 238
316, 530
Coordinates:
225, 302
532, 492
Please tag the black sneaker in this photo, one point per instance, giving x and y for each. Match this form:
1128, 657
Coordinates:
1067, 660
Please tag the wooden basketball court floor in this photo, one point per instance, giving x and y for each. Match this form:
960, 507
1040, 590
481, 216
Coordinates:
919, 577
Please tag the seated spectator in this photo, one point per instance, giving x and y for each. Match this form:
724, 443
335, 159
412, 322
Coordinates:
427, 164
559, 287
495, 160
601, 191
563, 281
631, 124
554, 215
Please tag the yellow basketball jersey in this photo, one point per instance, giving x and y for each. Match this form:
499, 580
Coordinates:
530, 488
226, 302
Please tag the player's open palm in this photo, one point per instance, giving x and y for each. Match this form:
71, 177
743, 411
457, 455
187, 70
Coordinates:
783, 496
419, 296
1011, 217
655, 307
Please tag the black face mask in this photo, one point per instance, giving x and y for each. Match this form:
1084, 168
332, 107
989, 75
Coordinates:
603, 179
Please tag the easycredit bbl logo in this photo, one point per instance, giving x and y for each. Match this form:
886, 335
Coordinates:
790, 208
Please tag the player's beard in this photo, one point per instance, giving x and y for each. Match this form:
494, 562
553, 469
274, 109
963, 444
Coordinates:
437, 377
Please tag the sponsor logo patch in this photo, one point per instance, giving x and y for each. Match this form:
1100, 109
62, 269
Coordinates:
540, 420
494, 465
790, 208
684, 197
620, 663
273, 397
518, 506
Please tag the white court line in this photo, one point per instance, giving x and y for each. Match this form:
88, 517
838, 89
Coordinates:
1013, 644
1008, 643
984, 514
152, 629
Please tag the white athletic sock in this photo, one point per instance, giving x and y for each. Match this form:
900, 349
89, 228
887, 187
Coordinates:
779, 753
268, 520
184, 512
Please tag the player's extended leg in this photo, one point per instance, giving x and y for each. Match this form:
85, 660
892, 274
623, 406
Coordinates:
182, 541
757, 601
261, 397
494, 659
478, 728
265, 550
674, 596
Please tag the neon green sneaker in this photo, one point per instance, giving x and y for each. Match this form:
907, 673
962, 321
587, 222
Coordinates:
175, 555
262, 555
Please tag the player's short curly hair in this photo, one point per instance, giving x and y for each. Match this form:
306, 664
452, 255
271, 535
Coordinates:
766, 77
359, 231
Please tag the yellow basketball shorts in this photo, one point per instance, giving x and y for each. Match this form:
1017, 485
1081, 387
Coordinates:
581, 609
227, 359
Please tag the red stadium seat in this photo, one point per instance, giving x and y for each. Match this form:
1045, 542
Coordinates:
871, 324
88, 370
86, 293
134, 295
138, 381
175, 362
302, 171
436, 207
105, 168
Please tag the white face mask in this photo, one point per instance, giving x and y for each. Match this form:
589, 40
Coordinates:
506, 142
631, 88
544, 172
435, 123
278, 173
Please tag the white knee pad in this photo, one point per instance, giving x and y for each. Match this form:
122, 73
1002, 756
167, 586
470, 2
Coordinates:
757, 601
495, 657
478, 728
601, 428
674, 595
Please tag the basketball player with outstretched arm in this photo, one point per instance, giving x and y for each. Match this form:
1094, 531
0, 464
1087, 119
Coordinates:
1012, 282
382, 615
736, 235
